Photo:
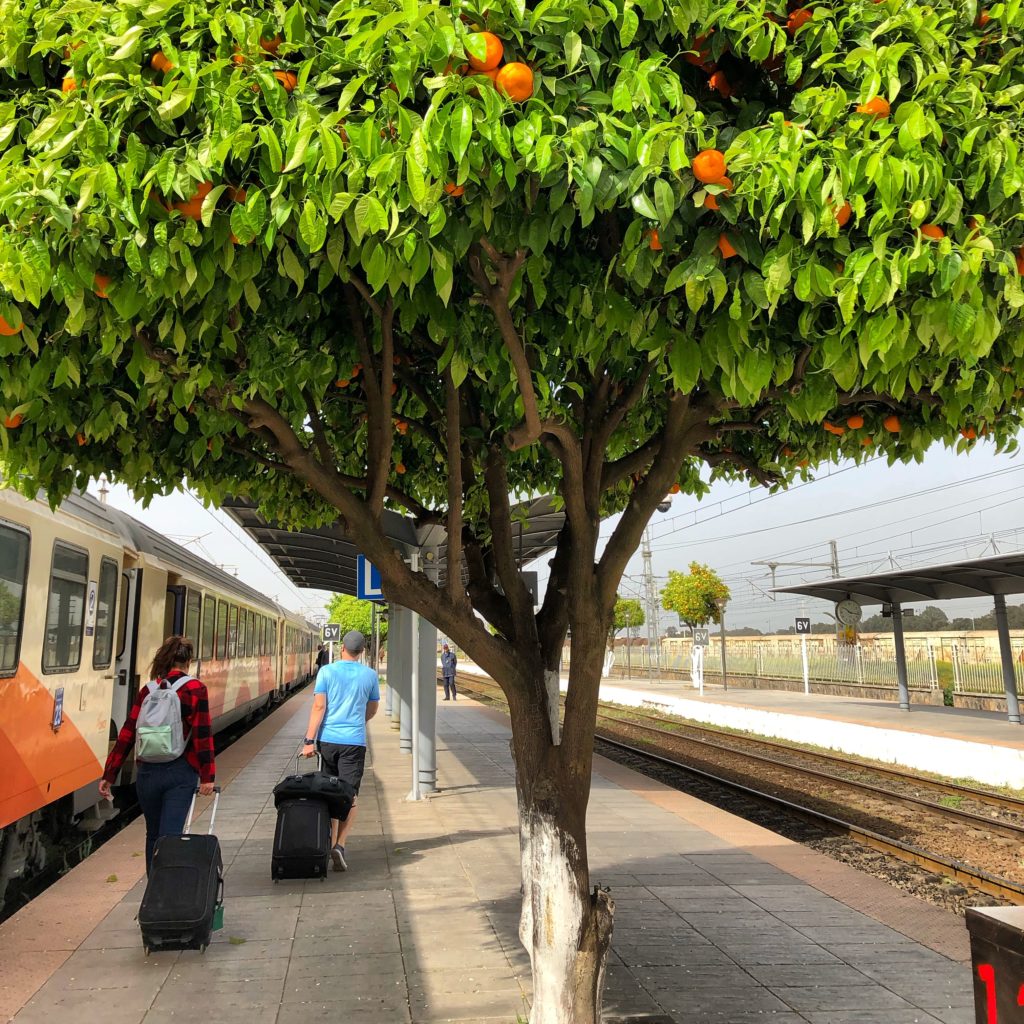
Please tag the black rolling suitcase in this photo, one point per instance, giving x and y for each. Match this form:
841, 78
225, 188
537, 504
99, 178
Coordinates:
185, 891
302, 839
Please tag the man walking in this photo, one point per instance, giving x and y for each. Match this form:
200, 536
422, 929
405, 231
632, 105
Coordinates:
448, 662
345, 698
321, 657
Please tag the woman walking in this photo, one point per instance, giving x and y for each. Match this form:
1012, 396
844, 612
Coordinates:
170, 725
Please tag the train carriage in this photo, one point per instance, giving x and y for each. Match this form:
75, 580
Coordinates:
87, 594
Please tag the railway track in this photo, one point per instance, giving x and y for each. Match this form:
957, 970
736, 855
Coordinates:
949, 867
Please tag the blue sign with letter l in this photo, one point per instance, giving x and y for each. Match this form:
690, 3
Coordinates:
368, 586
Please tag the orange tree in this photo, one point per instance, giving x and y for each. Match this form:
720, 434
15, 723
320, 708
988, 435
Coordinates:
307, 253
694, 597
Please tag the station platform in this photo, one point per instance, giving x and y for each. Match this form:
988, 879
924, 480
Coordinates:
957, 742
718, 921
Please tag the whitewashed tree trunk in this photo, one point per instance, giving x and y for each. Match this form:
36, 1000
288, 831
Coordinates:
565, 929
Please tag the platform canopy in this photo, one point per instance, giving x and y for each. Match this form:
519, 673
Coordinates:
996, 577
1001, 575
325, 558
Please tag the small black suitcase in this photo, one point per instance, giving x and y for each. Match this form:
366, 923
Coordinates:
302, 839
184, 891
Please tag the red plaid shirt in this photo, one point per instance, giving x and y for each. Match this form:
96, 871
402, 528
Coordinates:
195, 722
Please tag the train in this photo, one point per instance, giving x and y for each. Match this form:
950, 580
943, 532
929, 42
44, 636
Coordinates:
87, 595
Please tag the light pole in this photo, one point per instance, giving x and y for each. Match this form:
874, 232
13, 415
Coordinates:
721, 602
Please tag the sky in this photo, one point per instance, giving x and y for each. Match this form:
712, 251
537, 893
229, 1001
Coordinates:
951, 507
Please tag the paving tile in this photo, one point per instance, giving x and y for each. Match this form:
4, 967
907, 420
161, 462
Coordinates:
840, 997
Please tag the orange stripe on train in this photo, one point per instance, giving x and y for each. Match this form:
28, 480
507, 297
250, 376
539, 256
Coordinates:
38, 764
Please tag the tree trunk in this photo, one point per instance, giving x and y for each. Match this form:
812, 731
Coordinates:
565, 927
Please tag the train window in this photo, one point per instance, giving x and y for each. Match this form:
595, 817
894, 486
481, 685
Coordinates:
193, 614
232, 630
242, 633
222, 630
250, 636
65, 609
209, 628
106, 601
13, 573
122, 614
273, 637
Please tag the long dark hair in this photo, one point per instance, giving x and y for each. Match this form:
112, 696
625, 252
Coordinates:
175, 652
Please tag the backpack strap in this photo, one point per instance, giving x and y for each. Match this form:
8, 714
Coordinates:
180, 682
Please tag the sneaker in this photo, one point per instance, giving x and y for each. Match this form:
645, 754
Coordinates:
338, 857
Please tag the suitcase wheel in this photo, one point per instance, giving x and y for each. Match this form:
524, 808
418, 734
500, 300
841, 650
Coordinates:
145, 950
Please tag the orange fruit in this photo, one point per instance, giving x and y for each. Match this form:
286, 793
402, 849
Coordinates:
288, 79
158, 62
797, 20
932, 231
892, 423
80, 438
983, 18
341, 383
451, 189
399, 468
788, 452
804, 463
13, 422
402, 427
843, 214
237, 57
867, 442
492, 57
653, 239
833, 429
271, 45
394, 388
710, 201
855, 422
239, 195
68, 50
193, 208
877, 106
6, 330
720, 84
101, 282
699, 58
68, 85
725, 247
709, 166
515, 81
1019, 257
969, 432
357, 369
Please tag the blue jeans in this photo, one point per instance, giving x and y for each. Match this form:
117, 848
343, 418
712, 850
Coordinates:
165, 795
449, 682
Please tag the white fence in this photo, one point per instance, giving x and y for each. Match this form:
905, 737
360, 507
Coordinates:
975, 672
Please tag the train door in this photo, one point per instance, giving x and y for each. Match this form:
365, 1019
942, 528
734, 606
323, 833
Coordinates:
126, 679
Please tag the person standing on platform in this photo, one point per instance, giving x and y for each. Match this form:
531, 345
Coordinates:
346, 696
175, 753
448, 663
321, 657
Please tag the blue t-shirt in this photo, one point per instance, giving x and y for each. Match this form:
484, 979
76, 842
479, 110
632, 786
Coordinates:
348, 686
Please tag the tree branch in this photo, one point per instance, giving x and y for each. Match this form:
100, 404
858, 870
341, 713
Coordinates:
317, 425
453, 437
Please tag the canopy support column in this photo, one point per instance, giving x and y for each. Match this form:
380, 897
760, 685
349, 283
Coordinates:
901, 656
1006, 657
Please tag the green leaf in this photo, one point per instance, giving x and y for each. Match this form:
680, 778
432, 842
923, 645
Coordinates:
459, 367
676, 277
176, 105
312, 226
664, 200
684, 361
644, 207
573, 50
461, 128
414, 179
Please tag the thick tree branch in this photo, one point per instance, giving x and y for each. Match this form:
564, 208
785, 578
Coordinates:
489, 602
752, 469
502, 545
317, 426
453, 438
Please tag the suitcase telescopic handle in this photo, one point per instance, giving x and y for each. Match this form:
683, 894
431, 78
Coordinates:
319, 761
192, 808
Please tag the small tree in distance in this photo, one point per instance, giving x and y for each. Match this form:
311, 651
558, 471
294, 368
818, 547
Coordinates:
629, 615
693, 597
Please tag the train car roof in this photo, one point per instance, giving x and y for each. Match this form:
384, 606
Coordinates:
148, 541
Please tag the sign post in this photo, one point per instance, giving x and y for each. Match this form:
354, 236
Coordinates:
331, 635
803, 627
701, 639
